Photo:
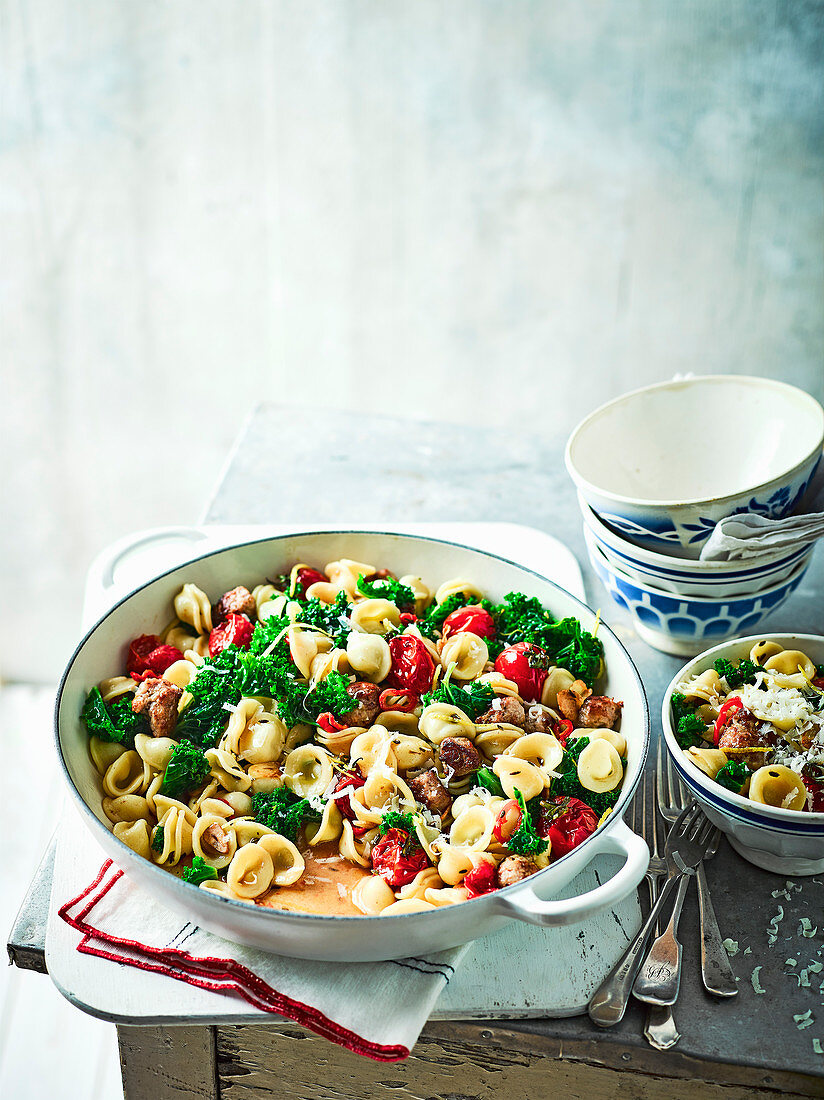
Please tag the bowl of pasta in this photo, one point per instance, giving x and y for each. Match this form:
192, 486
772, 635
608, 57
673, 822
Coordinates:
291, 737
744, 726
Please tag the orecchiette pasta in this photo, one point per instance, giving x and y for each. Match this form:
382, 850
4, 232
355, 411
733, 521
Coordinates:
322, 740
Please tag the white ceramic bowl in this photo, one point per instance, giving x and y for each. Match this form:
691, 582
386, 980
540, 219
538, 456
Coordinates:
102, 653
685, 577
664, 464
682, 624
785, 841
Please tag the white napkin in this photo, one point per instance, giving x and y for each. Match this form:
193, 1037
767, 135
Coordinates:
748, 536
375, 1009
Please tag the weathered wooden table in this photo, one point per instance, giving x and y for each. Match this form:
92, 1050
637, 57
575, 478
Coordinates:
347, 471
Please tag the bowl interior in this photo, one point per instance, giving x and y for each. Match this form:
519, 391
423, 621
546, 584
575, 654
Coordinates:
644, 448
812, 644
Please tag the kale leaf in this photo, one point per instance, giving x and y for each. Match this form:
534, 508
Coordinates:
733, 776
186, 770
524, 619
568, 783
387, 588
158, 839
113, 721
329, 695
689, 728
472, 700
331, 618
736, 675
525, 840
485, 777
283, 811
393, 820
200, 871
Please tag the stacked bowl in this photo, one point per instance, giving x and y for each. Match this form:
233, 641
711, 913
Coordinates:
656, 470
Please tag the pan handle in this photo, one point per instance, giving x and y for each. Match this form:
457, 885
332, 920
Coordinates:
527, 906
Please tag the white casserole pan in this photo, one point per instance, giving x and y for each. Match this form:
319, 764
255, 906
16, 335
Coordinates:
102, 653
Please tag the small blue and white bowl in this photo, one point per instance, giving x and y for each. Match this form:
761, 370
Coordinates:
789, 842
685, 577
664, 464
683, 625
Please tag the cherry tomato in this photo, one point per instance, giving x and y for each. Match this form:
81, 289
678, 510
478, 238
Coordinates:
482, 879
148, 656
393, 862
471, 619
407, 617
329, 723
307, 577
818, 682
346, 780
398, 699
562, 729
731, 707
507, 821
412, 667
816, 789
569, 829
234, 630
526, 665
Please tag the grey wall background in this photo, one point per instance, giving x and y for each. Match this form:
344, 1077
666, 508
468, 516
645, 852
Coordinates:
469, 210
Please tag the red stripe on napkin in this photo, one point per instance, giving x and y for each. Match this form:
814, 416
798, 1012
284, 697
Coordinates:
207, 972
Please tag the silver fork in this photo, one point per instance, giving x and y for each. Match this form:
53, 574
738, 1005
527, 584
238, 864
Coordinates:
688, 839
716, 971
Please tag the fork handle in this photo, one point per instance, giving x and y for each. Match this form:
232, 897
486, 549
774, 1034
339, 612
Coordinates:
660, 977
716, 971
610, 1000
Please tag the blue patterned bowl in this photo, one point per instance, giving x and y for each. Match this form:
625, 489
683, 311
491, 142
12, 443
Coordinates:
785, 841
664, 464
684, 625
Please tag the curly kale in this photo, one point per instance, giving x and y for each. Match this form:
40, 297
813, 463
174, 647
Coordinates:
387, 588
568, 783
472, 700
283, 811
158, 839
524, 619
485, 777
329, 695
186, 770
332, 619
113, 721
689, 728
525, 841
393, 820
736, 675
200, 871
733, 776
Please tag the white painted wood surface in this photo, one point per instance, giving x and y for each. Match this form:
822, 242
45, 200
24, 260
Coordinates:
457, 209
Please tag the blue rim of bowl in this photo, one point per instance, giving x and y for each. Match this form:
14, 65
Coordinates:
735, 805
289, 916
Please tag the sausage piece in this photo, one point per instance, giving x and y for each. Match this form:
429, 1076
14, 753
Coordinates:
503, 709
215, 838
430, 792
743, 731
599, 712
368, 707
538, 721
571, 699
459, 755
514, 869
160, 698
237, 601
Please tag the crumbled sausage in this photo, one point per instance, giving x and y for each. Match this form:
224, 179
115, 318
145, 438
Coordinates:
571, 699
742, 731
538, 721
238, 601
599, 712
367, 709
515, 868
503, 709
161, 699
429, 791
215, 838
459, 755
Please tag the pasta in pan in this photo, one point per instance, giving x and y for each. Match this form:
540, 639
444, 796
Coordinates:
338, 740
757, 726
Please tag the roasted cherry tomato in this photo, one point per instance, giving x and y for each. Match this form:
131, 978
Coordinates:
307, 577
482, 879
471, 619
398, 699
397, 858
731, 707
329, 723
818, 682
562, 729
526, 665
412, 667
407, 617
570, 828
148, 656
507, 821
346, 781
234, 630
816, 790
